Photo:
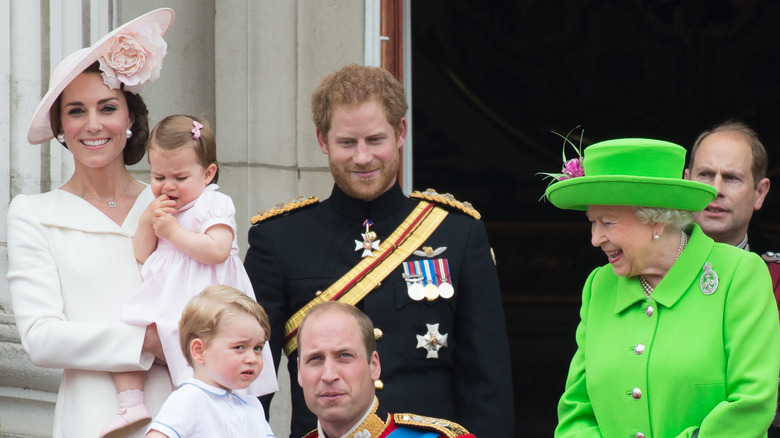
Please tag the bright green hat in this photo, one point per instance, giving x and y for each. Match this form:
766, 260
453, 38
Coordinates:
632, 171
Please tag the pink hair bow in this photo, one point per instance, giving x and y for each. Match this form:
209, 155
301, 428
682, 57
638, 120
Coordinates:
196, 130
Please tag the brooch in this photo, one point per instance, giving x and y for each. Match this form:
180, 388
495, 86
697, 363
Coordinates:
709, 280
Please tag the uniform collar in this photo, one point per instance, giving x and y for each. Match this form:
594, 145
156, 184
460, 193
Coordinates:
684, 271
375, 421
385, 205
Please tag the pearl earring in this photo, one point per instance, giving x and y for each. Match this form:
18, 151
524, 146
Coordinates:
656, 236
61, 138
129, 133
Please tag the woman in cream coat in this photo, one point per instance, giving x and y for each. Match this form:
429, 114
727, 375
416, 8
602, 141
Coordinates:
679, 335
71, 262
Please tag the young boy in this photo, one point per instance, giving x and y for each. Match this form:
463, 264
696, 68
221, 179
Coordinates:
222, 333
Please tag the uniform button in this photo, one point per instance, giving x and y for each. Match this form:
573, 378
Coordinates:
649, 311
640, 435
316, 294
636, 393
378, 334
379, 385
639, 349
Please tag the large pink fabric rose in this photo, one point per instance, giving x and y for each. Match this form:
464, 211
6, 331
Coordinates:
134, 58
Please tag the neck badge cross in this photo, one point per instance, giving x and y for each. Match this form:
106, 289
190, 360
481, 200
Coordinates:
370, 243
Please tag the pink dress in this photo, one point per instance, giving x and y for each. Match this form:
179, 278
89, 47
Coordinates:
171, 278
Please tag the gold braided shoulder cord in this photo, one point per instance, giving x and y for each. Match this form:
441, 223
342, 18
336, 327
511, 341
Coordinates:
446, 199
282, 208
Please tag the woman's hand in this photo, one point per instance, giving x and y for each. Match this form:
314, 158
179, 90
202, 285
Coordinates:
153, 345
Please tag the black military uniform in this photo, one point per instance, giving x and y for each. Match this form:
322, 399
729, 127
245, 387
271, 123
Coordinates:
464, 377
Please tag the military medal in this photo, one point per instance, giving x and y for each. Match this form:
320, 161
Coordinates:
446, 290
432, 341
414, 286
709, 280
370, 243
414, 281
431, 290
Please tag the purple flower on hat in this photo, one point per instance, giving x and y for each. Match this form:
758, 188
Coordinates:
572, 169
134, 57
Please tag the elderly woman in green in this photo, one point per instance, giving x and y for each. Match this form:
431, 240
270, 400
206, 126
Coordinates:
679, 335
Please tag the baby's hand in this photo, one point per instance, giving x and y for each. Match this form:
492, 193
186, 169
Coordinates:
162, 203
165, 224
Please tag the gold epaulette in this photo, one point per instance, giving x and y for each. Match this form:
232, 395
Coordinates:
446, 199
443, 427
281, 208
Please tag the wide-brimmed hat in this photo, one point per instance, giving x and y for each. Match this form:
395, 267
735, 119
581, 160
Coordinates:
632, 171
131, 55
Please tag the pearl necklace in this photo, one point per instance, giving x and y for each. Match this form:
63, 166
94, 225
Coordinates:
646, 288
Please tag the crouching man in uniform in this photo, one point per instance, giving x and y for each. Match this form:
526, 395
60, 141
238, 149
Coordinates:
337, 367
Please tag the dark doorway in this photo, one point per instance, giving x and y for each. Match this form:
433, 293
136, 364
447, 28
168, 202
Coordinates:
492, 81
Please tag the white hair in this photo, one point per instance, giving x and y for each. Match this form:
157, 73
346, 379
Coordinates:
676, 218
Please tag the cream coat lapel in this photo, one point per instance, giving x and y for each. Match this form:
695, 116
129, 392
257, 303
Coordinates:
66, 210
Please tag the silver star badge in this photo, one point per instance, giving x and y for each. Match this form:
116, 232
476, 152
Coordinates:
432, 341
370, 243
367, 245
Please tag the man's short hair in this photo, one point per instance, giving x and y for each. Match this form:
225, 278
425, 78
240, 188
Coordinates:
364, 322
760, 162
354, 85
202, 315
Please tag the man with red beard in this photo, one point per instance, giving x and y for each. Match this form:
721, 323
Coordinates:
419, 266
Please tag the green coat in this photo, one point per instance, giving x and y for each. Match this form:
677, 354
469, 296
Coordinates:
696, 361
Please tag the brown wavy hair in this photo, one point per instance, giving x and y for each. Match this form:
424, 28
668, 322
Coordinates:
136, 145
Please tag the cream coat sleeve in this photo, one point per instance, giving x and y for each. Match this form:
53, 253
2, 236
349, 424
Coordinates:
70, 270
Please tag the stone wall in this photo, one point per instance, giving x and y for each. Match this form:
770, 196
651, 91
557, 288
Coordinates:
247, 66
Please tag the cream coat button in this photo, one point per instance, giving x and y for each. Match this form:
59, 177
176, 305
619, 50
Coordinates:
640, 435
639, 349
649, 311
636, 393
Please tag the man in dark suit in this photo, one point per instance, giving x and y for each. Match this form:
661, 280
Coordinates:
421, 269
732, 158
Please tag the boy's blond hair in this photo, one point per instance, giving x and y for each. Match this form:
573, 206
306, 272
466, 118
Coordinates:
202, 315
